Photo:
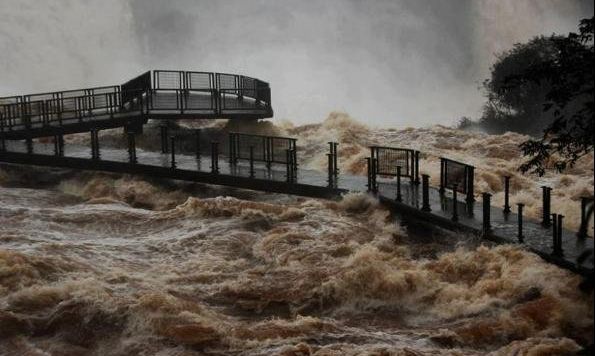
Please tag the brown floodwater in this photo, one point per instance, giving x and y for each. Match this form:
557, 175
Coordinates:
102, 264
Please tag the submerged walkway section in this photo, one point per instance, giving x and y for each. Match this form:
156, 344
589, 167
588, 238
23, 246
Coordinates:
414, 201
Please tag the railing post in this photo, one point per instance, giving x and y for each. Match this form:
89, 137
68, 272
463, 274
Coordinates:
506, 194
416, 167
289, 173
215, 157
470, 184
163, 131
374, 174
29, 143
442, 176
197, 137
331, 183
335, 164
520, 222
60, 139
2, 144
455, 211
132, 148
425, 192
172, 141
560, 251
546, 201
487, 226
251, 161
94, 144
232, 154
582, 231
399, 197
369, 168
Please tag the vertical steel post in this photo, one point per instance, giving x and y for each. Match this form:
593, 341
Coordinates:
546, 191
56, 146
288, 165
335, 164
331, 182
29, 143
399, 197
251, 161
172, 141
215, 157
369, 166
197, 137
506, 194
2, 144
470, 184
425, 192
132, 148
455, 210
582, 231
61, 145
560, 250
555, 233
487, 226
416, 167
374, 174
232, 154
442, 176
163, 131
520, 221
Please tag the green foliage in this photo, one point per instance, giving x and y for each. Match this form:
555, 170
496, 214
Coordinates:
569, 99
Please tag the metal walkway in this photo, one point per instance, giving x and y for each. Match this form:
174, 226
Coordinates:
155, 94
258, 162
171, 165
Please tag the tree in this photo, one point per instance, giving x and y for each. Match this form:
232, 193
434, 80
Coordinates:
569, 99
514, 104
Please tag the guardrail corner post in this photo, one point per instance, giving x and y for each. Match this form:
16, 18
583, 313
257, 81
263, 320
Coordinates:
425, 192
506, 194
455, 211
486, 223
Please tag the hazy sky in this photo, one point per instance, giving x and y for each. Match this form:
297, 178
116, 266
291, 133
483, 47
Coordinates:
390, 63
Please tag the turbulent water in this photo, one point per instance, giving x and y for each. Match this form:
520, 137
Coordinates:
99, 264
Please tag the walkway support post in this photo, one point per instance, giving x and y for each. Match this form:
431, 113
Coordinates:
582, 231
455, 211
546, 204
94, 144
132, 148
374, 173
215, 157
487, 225
172, 141
399, 197
289, 168
331, 182
2, 144
29, 143
333, 170
506, 194
197, 138
416, 167
251, 161
442, 188
470, 184
425, 192
163, 132
520, 222
560, 250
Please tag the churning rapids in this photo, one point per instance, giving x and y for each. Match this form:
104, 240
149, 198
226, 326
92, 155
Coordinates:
101, 264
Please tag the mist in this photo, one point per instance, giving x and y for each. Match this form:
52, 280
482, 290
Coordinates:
386, 63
